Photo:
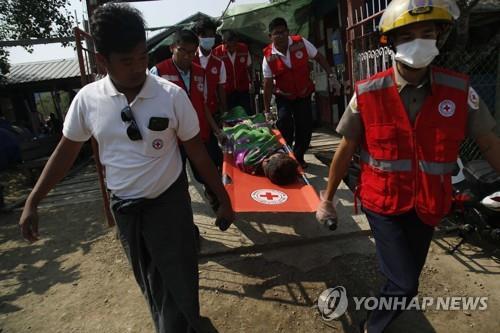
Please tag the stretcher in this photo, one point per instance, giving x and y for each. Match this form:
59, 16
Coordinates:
254, 193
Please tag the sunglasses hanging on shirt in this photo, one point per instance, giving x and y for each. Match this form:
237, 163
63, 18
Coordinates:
132, 130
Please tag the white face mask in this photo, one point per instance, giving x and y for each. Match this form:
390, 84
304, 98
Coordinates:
418, 53
207, 43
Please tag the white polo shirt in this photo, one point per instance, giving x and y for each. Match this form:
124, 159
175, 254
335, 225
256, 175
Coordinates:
312, 51
134, 169
204, 62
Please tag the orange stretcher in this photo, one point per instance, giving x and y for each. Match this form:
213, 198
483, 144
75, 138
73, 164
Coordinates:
250, 193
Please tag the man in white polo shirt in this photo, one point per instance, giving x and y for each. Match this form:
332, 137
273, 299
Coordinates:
137, 120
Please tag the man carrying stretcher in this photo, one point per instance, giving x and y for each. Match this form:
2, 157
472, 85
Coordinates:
256, 149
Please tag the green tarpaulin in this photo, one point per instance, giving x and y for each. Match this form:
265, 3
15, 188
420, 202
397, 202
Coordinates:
251, 20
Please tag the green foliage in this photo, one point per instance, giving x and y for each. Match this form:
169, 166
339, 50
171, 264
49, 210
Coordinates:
45, 103
27, 19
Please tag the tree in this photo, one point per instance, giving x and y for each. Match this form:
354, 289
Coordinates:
28, 19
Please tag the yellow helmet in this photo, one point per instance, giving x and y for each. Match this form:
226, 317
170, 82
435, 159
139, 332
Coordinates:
400, 13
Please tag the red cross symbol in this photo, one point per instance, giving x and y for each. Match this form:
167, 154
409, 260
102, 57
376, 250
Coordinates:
269, 196
157, 144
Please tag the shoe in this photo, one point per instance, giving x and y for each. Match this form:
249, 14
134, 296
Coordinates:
212, 199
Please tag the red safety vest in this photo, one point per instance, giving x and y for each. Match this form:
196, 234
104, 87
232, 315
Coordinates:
237, 74
405, 166
168, 71
292, 82
212, 75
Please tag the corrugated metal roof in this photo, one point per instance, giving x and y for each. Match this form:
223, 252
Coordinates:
42, 71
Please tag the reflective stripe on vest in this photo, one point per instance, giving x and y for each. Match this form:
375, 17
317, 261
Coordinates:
450, 81
381, 83
384, 165
437, 168
431, 168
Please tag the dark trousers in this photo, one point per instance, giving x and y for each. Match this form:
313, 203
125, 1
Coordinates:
158, 237
213, 150
241, 98
402, 243
295, 123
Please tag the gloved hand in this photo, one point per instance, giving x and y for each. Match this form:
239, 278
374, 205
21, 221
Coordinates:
325, 213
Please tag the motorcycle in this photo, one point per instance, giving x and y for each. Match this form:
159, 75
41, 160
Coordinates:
476, 200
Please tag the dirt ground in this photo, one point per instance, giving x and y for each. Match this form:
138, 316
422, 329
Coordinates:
77, 279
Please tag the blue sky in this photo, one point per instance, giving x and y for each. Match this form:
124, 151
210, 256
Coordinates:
157, 13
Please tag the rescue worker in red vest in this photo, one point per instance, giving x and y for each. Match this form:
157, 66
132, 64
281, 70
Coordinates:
238, 64
285, 68
182, 71
409, 121
215, 70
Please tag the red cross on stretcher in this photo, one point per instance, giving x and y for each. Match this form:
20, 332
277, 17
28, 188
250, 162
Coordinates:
269, 196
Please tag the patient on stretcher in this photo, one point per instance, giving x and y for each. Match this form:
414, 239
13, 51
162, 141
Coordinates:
256, 150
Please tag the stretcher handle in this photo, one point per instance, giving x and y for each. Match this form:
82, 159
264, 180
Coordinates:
330, 224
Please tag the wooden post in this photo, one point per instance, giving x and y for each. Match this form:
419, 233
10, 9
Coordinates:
95, 147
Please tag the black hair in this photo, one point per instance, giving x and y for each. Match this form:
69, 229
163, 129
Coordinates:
282, 169
229, 36
218, 39
277, 22
186, 36
117, 28
205, 24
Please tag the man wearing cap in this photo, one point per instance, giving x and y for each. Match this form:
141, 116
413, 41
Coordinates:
409, 121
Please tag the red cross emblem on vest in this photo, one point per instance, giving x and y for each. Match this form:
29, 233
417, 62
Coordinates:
447, 108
